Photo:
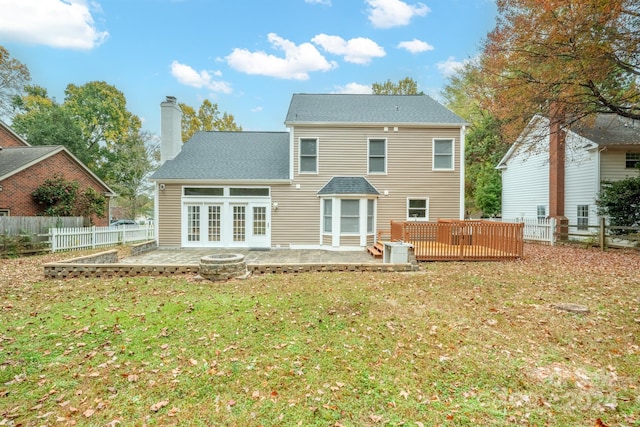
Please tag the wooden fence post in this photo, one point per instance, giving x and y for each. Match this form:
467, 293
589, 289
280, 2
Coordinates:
601, 234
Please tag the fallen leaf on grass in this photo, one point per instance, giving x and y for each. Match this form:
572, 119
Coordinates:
157, 406
375, 418
89, 412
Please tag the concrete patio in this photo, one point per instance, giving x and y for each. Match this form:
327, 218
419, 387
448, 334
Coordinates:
271, 257
171, 262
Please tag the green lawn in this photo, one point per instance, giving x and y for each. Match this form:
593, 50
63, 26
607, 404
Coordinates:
455, 344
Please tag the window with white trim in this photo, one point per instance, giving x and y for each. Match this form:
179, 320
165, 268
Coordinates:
370, 215
4, 212
443, 154
349, 216
632, 160
327, 216
418, 209
377, 156
308, 155
541, 212
583, 217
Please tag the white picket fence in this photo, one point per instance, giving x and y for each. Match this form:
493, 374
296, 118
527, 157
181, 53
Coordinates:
537, 229
77, 238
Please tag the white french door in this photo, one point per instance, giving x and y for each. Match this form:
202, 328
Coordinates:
227, 224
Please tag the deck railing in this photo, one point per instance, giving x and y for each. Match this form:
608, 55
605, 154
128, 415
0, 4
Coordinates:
454, 240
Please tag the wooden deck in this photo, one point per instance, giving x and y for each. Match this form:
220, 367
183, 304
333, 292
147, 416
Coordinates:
453, 240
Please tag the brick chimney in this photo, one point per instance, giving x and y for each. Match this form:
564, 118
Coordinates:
171, 129
557, 137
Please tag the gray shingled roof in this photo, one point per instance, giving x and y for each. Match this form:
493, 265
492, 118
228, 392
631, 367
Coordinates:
230, 156
611, 129
15, 158
368, 109
348, 185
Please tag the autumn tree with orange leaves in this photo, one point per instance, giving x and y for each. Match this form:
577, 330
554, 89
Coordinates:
581, 55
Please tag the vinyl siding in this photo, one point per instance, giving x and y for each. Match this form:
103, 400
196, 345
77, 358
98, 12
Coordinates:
169, 216
342, 151
525, 183
613, 162
581, 179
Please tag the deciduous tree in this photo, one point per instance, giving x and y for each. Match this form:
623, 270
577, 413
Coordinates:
208, 117
130, 164
42, 121
13, 76
406, 86
484, 146
581, 55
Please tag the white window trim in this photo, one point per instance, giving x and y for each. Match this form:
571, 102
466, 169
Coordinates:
300, 171
631, 156
578, 217
336, 217
433, 155
386, 156
359, 217
426, 218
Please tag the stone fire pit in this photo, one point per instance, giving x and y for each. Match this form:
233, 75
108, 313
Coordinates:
223, 267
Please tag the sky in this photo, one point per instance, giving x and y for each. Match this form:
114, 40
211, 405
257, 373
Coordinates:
248, 56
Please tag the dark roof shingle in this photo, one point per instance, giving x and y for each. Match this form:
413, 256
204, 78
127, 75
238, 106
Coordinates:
15, 158
369, 109
348, 185
215, 155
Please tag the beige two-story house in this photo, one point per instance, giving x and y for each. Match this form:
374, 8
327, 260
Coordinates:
347, 166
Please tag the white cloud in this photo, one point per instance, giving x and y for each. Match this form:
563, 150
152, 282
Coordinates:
298, 61
66, 24
190, 77
354, 88
415, 46
450, 66
325, 2
256, 109
393, 13
357, 51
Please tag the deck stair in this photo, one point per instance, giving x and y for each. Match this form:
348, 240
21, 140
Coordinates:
376, 250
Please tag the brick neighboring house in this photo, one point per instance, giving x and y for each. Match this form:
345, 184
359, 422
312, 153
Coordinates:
23, 168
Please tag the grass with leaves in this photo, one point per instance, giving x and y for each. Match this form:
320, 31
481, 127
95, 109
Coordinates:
454, 344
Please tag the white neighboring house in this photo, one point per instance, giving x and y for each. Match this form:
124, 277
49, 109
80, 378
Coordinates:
534, 184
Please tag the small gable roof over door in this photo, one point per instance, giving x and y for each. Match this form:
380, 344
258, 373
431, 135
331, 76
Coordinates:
348, 185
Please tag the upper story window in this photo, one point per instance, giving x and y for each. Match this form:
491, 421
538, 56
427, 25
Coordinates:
377, 156
632, 160
308, 155
443, 154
